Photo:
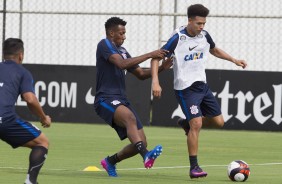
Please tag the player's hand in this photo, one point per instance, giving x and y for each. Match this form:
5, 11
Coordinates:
157, 90
241, 63
161, 53
166, 64
46, 121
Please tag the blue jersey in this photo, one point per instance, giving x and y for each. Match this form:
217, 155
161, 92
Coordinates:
14, 80
110, 80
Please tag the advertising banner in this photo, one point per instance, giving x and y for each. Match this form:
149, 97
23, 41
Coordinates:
249, 100
67, 93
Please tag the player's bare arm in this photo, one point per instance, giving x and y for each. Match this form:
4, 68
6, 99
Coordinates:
145, 73
156, 88
127, 63
34, 107
217, 52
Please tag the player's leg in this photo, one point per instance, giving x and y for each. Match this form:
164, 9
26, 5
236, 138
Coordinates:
126, 116
19, 133
184, 124
130, 150
211, 111
107, 109
192, 144
190, 100
208, 123
126, 152
213, 122
39, 150
193, 136
209, 108
212, 118
152, 155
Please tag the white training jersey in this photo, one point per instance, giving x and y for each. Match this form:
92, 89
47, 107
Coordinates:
190, 55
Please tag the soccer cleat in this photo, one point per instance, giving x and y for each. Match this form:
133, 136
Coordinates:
111, 169
151, 156
197, 172
27, 181
184, 125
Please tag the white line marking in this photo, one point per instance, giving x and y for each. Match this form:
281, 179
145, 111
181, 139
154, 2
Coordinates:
155, 168
180, 167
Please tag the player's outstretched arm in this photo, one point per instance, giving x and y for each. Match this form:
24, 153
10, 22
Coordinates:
156, 88
130, 62
217, 52
145, 73
35, 108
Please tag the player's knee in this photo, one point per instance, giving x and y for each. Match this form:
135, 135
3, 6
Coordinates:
43, 141
195, 125
220, 124
131, 120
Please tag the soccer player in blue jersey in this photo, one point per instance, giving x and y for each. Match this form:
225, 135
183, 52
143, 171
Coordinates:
190, 45
15, 80
111, 103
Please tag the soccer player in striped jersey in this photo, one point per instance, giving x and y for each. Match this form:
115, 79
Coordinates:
15, 80
111, 103
189, 45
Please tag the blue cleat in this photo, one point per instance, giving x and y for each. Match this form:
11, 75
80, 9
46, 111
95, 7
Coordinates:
111, 169
151, 156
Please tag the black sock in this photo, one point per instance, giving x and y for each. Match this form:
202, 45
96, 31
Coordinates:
37, 157
113, 159
193, 161
141, 148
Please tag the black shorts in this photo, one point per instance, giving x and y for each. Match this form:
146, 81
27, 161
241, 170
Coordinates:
197, 100
16, 132
106, 107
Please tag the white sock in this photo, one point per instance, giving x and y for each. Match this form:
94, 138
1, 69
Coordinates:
27, 181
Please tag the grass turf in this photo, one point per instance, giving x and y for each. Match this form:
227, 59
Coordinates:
73, 147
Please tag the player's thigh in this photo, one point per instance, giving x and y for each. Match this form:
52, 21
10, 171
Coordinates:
124, 116
17, 132
210, 107
41, 140
190, 103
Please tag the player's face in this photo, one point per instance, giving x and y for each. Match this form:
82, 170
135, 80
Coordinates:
196, 25
118, 35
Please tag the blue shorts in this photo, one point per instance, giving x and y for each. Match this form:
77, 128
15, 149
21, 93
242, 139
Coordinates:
197, 101
17, 132
106, 107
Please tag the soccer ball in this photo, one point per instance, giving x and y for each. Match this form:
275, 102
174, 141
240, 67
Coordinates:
238, 170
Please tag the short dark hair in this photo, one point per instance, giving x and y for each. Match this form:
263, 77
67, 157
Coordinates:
12, 46
197, 10
113, 22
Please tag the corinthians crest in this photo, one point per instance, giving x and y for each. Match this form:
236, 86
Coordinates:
194, 109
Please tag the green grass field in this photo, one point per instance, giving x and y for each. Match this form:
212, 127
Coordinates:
73, 147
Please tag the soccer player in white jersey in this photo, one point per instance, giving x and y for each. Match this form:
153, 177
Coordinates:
189, 46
